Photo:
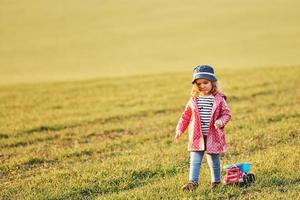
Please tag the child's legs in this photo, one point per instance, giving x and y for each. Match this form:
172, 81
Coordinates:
214, 164
195, 164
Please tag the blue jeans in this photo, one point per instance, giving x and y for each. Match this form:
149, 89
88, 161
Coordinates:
213, 161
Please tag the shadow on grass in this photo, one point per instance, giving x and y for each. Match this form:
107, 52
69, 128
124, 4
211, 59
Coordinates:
118, 118
134, 179
3, 136
26, 143
35, 162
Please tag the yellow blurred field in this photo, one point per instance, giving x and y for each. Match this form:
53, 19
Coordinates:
65, 40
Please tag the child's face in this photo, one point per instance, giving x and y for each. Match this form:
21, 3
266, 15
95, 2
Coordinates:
204, 85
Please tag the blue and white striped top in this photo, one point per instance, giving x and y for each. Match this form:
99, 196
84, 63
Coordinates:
205, 104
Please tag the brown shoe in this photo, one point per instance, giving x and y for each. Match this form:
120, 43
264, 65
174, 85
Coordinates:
190, 186
214, 185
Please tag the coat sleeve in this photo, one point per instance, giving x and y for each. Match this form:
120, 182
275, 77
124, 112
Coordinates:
184, 120
225, 112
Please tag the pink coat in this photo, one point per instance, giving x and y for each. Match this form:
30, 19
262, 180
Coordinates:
190, 119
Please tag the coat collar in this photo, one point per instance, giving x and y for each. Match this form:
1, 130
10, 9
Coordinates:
218, 98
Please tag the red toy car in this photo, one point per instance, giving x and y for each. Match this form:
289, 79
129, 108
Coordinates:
239, 174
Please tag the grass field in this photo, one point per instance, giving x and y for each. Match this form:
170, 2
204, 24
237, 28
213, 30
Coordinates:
113, 138
73, 39
91, 92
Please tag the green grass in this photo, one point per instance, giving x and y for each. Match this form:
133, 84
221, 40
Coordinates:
67, 40
113, 138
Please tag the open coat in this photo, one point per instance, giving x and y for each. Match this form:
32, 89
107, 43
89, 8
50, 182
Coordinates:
190, 119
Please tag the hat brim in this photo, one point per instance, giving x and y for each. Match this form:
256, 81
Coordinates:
205, 76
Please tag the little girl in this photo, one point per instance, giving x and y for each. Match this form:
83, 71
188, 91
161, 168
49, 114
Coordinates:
205, 115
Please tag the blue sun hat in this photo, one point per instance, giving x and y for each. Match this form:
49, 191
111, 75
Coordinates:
204, 71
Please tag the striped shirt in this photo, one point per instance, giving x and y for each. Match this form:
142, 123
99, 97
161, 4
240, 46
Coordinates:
205, 104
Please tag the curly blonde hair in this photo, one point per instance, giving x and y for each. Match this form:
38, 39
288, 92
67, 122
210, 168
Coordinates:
196, 92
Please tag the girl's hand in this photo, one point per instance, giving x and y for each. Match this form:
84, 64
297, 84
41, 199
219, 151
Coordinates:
176, 139
218, 124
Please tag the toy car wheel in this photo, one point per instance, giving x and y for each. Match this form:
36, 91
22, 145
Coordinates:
251, 177
246, 180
